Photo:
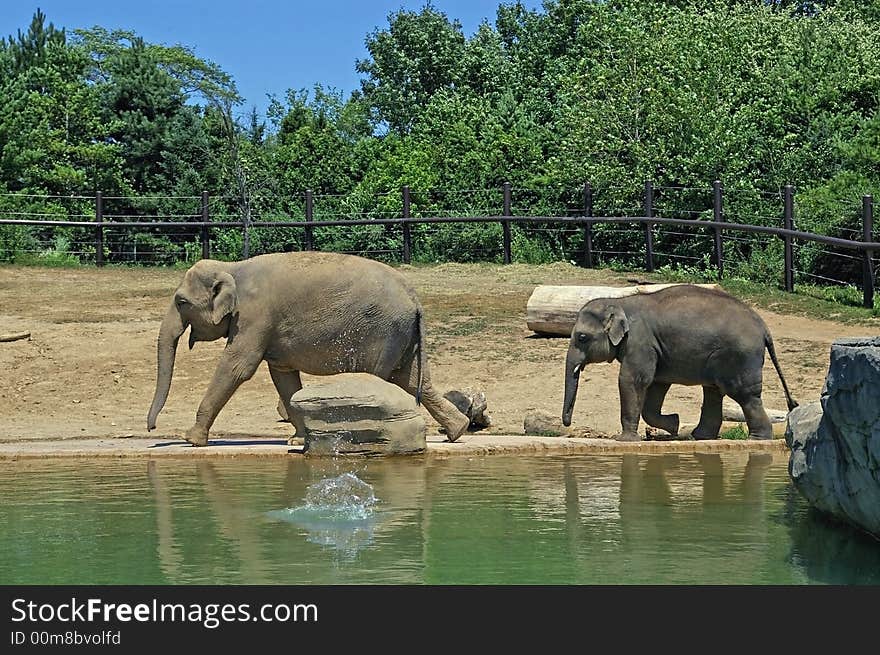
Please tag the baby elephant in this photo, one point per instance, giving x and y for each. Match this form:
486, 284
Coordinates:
680, 335
318, 313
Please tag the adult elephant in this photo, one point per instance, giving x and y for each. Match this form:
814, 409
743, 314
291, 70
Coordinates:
317, 313
680, 335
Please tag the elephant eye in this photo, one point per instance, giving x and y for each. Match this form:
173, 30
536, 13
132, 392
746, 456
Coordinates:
181, 301
582, 337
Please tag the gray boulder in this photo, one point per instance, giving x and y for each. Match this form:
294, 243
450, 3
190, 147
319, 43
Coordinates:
835, 443
359, 414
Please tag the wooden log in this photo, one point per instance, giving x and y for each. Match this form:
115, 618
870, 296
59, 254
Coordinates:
553, 310
15, 336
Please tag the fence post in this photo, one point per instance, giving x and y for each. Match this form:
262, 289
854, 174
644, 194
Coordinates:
588, 226
246, 230
310, 214
505, 225
718, 216
867, 235
649, 233
407, 236
99, 229
788, 224
206, 240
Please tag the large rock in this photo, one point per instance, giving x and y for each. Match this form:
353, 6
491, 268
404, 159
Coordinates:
835, 443
359, 414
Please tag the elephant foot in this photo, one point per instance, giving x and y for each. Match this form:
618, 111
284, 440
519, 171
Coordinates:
196, 436
629, 436
703, 435
760, 436
668, 423
282, 411
458, 429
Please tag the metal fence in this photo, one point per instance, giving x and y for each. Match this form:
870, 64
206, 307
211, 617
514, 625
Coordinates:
564, 222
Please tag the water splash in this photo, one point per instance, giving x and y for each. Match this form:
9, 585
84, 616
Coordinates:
337, 512
344, 497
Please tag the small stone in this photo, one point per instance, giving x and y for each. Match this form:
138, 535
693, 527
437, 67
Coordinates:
472, 404
543, 424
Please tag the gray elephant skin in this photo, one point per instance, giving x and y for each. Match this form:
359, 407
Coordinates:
317, 313
681, 335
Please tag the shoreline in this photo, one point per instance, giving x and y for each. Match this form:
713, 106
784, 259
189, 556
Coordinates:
467, 445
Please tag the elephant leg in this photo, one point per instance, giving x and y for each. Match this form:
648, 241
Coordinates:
443, 411
633, 387
233, 369
710, 414
651, 411
756, 417
288, 383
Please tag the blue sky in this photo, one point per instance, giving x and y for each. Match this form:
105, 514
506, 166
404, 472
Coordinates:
268, 46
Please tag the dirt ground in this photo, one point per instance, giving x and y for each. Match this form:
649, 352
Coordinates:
89, 368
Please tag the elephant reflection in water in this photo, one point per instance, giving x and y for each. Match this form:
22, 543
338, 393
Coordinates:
661, 501
233, 525
750, 488
666, 503
661, 472
170, 557
400, 485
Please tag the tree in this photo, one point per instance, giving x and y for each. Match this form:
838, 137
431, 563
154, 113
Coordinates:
197, 78
316, 137
413, 59
52, 138
161, 138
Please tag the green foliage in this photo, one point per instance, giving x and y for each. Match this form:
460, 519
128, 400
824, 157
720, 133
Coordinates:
463, 242
58, 255
756, 94
705, 272
738, 432
52, 139
195, 77
413, 59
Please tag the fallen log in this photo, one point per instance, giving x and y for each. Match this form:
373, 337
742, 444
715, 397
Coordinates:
15, 336
553, 310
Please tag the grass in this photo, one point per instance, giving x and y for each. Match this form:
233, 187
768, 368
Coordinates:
468, 327
50, 259
737, 432
842, 304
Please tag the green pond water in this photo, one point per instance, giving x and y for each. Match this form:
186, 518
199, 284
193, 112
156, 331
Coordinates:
671, 519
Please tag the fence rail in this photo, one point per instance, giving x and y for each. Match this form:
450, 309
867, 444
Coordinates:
585, 221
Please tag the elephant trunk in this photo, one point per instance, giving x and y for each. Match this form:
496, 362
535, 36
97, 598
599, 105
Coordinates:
572, 376
169, 334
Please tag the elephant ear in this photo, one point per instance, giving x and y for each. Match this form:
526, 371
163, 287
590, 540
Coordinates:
224, 297
616, 325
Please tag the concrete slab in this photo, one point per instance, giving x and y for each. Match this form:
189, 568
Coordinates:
470, 444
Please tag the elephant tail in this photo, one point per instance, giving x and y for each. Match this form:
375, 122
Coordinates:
420, 346
768, 341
